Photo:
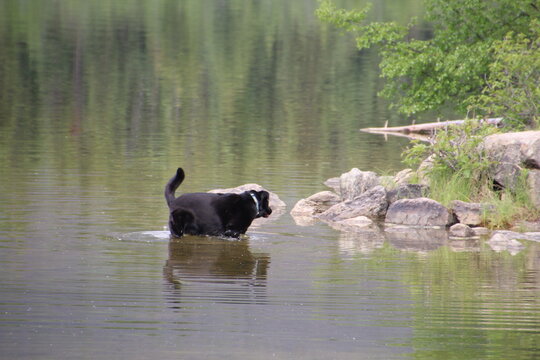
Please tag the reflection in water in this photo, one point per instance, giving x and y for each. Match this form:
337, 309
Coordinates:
99, 100
360, 240
416, 239
227, 269
464, 244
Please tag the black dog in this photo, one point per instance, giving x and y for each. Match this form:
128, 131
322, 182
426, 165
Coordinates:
213, 214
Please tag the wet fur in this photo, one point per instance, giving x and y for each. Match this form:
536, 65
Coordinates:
212, 214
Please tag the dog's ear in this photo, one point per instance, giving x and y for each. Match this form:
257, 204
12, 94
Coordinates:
264, 196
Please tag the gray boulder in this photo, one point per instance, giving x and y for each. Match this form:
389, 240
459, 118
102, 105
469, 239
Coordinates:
315, 204
511, 152
470, 213
419, 212
406, 191
356, 182
461, 231
371, 204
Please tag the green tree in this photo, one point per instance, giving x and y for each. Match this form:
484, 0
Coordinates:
455, 64
513, 85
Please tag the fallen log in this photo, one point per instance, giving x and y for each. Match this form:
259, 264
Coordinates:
427, 128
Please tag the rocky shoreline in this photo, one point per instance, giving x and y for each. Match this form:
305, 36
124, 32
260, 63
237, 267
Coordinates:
362, 200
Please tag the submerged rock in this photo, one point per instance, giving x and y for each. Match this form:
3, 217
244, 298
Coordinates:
505, 241
419, 212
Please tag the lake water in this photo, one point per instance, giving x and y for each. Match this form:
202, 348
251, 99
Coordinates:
101, 101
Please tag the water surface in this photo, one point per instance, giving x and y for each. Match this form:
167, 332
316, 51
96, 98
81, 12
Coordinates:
101, 101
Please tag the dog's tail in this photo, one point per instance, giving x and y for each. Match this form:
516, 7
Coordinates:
173, 184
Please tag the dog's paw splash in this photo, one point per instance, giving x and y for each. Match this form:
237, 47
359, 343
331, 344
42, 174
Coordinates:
145, 236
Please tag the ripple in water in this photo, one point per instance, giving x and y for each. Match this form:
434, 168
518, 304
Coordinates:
145, 236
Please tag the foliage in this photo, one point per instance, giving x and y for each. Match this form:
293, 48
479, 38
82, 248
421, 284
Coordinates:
482, 55
458, 170
454, 151
454, 63
513, 86
511, 205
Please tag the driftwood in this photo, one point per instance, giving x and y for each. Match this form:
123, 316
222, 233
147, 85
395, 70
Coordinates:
424, 129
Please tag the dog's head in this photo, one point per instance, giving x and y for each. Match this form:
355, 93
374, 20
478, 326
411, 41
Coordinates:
261, 201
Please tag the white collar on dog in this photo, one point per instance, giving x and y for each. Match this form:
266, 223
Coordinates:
254, 197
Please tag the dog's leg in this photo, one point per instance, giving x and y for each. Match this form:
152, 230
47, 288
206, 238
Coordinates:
175, 230
232, 233
183, 222
177, 222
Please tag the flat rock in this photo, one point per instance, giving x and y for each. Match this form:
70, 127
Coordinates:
419, 212
359, 221
371, 203
480, 231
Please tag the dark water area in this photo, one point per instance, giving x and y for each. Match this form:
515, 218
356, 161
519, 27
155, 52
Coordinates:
101, 101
